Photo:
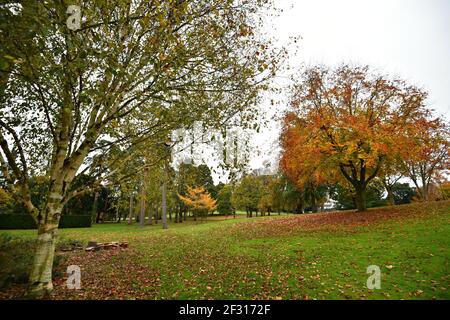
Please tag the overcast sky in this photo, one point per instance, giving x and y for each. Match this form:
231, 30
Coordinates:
407, 38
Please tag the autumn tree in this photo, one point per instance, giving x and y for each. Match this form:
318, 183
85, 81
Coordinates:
192, 175
426, 154
133, 71
344, 122
300, 166
199, 201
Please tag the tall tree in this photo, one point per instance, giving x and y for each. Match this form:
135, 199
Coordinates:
344, 122
247, 194
133, 70
224, 205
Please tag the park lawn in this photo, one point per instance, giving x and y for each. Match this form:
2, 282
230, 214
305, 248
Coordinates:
312, 256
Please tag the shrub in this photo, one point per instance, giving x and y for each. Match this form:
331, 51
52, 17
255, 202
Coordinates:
16, 258
75, 221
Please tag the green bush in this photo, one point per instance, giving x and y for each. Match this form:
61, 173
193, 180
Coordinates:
16, 258
24, 221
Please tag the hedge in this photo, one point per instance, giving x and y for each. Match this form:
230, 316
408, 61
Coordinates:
17, 221
75, 221
24, 221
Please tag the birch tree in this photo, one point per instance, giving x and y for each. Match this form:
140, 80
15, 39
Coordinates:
132, 71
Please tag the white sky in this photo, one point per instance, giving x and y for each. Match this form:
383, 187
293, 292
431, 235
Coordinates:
406, 38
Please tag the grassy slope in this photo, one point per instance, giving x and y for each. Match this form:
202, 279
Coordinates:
320, 256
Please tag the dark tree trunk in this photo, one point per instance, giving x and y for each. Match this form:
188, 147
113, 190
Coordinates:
94, 207
142, 213
313, 204
97, 219
299, 209
390, 197
360, 198
130, 213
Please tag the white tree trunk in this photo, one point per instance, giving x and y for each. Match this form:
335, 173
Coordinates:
142, 213
40, 281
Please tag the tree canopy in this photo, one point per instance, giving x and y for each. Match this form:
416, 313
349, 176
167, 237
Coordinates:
345, 123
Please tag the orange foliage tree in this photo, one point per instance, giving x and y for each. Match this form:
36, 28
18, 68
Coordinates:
199, 201
426, 154
345, 123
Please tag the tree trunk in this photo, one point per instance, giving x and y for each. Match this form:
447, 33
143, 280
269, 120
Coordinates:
130, 218
97, 219
361, 199
390, 196
313, 204
164, 205
178, 216
425, 193
40, 280
299, 209
150, 215
94, 207
142, 213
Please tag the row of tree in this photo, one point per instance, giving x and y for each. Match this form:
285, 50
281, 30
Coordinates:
276, 194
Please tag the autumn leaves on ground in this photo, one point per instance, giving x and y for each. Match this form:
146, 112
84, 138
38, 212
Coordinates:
310, 256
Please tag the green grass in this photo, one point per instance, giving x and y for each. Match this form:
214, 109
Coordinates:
321, 256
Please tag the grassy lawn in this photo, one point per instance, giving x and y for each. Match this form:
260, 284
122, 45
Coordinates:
312, 256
